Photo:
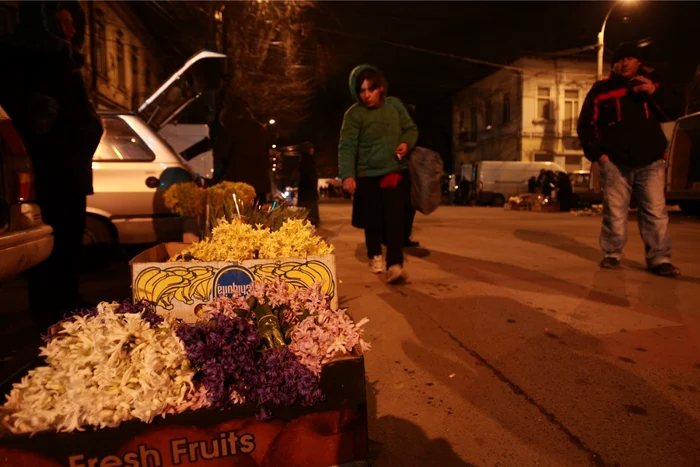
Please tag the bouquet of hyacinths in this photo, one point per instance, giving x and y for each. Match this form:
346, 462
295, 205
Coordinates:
122, 361
237, 241
114, 363
314, 333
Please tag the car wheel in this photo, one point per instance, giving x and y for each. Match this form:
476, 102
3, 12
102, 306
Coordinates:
498, 201
99, 243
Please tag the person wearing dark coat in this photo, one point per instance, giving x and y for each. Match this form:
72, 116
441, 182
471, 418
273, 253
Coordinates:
49, 104
565, 192
241, 153
308, 183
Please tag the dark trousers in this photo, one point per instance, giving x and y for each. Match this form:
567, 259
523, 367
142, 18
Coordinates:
312, 206
384, 214
53, 284
410, 214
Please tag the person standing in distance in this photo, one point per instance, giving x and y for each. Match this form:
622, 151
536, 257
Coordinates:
620, 128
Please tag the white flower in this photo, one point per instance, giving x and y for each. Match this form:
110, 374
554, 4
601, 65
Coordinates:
102, 370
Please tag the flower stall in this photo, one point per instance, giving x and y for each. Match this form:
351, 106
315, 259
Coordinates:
269, 377
232, 352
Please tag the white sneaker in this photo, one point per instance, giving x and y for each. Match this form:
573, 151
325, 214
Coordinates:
376, 264
394, 273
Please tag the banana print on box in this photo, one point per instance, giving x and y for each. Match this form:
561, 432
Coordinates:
187, 284
161, 286
297, 275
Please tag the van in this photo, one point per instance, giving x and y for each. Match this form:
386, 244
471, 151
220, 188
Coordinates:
683, 164
493, 182
683, 168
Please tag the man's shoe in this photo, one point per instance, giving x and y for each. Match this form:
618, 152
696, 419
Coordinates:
376, 264
395, 273
665, 270
610, 263
411, 244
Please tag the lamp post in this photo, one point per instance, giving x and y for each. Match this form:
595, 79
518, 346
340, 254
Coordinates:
601, 39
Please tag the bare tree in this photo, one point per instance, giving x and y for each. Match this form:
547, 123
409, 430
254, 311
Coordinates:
274, 57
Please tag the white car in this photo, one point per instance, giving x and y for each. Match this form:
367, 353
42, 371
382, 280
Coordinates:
25, 240
134, 164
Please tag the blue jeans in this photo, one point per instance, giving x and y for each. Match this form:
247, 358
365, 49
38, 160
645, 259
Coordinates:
618, 182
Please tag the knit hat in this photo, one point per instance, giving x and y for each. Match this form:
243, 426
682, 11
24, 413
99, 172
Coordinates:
624, 50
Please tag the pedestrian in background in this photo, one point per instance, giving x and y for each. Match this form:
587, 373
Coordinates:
50, 106
308, 183
620, 128
376, 136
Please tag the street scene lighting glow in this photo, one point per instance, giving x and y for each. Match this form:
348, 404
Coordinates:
274, 146
272, 121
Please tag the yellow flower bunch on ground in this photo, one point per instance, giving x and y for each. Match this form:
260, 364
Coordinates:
185, 199
295, 239
237, 241
190, 200
225, 190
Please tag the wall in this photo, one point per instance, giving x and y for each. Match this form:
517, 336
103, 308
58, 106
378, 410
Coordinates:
473, 137
560, 85
127, 68
554, 138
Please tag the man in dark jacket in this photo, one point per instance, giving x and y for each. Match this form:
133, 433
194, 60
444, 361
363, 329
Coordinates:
307, 194
50, 106
619, 127
241, 153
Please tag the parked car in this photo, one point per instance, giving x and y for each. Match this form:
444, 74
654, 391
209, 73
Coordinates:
683, 172
134, 164
25, 240
683, 166
496, 181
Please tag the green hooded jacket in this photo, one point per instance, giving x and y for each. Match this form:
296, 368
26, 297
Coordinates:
369, 137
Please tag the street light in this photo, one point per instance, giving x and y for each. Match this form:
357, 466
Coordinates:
272, 121
601, 38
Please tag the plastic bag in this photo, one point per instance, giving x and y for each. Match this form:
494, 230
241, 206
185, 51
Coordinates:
426, 174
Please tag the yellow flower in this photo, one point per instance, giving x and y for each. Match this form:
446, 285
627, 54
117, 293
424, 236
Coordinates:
237, 241
185, 199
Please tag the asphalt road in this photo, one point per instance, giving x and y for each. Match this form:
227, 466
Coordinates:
510, 347
507, 346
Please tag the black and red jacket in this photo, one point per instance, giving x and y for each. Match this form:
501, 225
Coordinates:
622, 124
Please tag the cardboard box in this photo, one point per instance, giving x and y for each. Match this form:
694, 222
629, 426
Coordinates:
333, 432
178, 287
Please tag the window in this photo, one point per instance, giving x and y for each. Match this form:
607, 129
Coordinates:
147, 76
120, 143
571, 110
7, 20
506, 107
134, 62
488, 114
121, 71
544, 157
100, 43
473, 126
544, 104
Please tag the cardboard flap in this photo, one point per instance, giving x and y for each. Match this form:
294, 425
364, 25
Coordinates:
160, 253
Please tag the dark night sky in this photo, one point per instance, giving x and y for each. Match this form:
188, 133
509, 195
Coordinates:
494, 31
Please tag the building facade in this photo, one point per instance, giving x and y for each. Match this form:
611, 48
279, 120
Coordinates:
122, 67
524, 114
122, 60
